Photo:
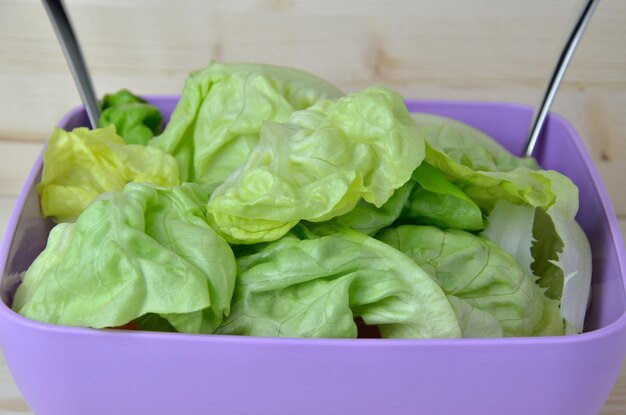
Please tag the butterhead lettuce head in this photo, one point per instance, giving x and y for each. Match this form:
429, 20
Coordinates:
217, 121
143, 250
134, 119
492, 292
81, 164
313, 285
318, 165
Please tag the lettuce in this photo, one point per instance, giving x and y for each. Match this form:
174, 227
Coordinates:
131, 253
484, 170
437, 201
511, 228
310, 285
481, 277
369, 219
468, 146
81, 164
553, 247
301, 210
134, 119
427, 199
531, 212
474, 322
217, 121
318, 165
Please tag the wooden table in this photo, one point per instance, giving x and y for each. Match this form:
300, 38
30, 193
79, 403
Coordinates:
450, 49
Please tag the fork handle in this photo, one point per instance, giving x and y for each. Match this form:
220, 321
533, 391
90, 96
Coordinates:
74, 57
541, 112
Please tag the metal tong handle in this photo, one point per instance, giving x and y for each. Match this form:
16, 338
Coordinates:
541, 112
74, 57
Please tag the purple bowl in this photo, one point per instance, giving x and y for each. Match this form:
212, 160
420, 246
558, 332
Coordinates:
70, 370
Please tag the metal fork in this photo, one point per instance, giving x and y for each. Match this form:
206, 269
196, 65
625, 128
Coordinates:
74, 57
541, 111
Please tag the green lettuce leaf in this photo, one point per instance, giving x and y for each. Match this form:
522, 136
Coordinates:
134, 119
81, 164
436, 201
318, 166
511, 228
369, 219
427, 199
487, 172
551, 323
544, 247
564, 246
467, 145
308, 285
216, 123
474, 322
560, 255
144, 250
553, 246
478, 273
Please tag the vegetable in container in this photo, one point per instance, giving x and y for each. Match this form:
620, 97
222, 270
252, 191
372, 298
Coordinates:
273, 204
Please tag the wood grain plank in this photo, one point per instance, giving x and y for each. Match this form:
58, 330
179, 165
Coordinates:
16, 160
6, 206
144, 46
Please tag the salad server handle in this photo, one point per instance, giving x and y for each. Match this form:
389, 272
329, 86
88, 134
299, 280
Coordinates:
541, 111
74, 57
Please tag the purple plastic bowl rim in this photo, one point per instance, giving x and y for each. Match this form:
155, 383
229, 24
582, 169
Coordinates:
620, 324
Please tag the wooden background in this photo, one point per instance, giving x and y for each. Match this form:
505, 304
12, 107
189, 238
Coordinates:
486, 50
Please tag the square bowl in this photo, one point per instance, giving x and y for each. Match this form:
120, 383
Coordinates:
73, 370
